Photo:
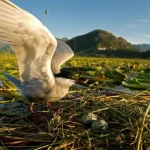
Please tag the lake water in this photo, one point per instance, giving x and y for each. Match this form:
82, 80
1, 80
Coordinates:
1, 84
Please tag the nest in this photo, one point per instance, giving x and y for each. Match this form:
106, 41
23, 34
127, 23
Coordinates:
128, 119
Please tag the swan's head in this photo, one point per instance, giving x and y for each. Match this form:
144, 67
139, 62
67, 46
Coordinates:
63, 82
65, 78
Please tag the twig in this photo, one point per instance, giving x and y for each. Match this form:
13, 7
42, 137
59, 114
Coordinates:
138, 145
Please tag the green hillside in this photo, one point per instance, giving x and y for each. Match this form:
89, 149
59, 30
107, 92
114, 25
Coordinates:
98, 40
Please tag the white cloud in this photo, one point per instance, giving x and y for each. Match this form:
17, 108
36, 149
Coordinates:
142, 35
147, 36
131, 25
143, 20
137, 40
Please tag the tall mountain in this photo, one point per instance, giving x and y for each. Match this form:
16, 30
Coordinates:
93, 41
99, 40
142, 47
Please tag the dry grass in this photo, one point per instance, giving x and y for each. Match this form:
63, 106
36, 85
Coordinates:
128, 118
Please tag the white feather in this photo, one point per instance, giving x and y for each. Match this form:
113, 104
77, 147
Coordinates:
37, 54
29, 39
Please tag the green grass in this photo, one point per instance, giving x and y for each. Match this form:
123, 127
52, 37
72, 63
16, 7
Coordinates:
127, 114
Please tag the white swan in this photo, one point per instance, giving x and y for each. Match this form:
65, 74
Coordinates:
39, 55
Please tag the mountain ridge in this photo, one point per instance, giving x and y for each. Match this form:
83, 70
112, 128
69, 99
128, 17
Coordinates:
142, 47
98, 40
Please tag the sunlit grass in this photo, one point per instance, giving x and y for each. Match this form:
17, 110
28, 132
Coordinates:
7, 57
127, 115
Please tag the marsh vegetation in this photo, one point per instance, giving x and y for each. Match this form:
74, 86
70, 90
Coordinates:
118, 93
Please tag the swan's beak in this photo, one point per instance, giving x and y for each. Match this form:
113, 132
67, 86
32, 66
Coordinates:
81, 83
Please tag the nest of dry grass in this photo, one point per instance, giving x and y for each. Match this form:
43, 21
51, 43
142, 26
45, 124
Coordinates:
128, 118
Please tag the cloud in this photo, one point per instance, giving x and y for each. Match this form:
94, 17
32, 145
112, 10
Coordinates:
143, 20
138, 40
143, 35
147, 36
131, 25
133, 40
140, 35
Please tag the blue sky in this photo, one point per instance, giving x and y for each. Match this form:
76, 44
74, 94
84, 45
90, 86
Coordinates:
129, 19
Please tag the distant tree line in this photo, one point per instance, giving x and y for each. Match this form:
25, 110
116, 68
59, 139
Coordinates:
123, 53
126, 54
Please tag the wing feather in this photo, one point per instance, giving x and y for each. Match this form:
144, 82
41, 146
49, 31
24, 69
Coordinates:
62, 54
32, 42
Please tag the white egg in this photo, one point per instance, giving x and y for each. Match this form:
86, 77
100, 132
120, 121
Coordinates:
88, 119
99, 125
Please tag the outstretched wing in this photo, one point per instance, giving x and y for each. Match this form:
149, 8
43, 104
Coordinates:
32, 42
62, 54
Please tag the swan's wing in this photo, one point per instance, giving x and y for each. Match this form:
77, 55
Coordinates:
32, 42
62, 54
